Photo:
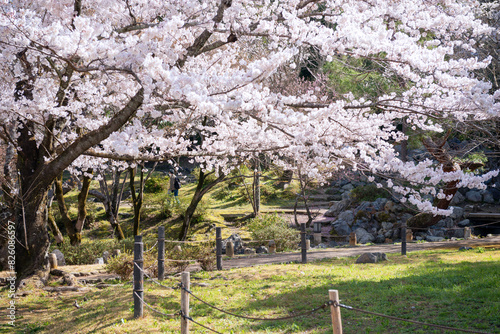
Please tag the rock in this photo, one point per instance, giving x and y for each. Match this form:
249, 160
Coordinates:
432, 238
463, 223
105, 256
457, 213
321, 246
249, 251
371, 258
367, 258
99, 260
347, 216
380, 256
390, 206
464, 248
488, 197
473, 196
387, 226
337, 207
262, 250
60, 257
380, 203
341, 228
380, 239
495, 193
348, 187
459, 233
457, 199
363, 236
237, 243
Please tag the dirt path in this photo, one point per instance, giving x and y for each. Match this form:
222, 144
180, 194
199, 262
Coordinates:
355, 251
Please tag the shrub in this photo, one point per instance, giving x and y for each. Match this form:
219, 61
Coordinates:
274, 227
89, 250
123, 264
369, 193
155, 185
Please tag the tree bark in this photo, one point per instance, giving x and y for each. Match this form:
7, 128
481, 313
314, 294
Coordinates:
36, 176
68, 223
201, 190
256, 187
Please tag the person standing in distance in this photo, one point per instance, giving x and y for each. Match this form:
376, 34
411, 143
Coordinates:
175, 185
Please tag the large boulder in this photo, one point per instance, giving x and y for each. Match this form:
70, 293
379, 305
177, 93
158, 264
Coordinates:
488, 197
347, 216
337, 207
457, 199
341, 228
363, 237
371, 258
474, 196
457, 213
463, 223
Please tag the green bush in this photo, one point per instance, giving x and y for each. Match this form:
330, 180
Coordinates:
274, 227
369, 193
89, 250
156, 184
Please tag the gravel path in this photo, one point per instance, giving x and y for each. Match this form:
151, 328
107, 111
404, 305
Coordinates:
328, 253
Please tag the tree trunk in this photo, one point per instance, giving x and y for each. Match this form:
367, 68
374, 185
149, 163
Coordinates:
68, 223
136, 198
256, 187
37, 172
52, 223
82, 207
201, 190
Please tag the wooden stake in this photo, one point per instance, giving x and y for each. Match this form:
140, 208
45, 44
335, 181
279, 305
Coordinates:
185, 302
138, 277
303, 242
53, 261
161, 253
218, 247
230, 249
335, 310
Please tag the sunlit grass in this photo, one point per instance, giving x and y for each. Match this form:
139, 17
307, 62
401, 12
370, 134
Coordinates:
447, 287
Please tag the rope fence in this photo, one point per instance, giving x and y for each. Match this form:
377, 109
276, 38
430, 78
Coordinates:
337, 304
333, 301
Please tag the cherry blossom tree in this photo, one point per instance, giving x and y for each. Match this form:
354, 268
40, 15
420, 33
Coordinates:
131, 79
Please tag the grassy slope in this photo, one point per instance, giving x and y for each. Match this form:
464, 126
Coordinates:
458, 289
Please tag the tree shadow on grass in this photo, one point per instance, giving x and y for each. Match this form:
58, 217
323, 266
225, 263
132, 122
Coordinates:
464, 295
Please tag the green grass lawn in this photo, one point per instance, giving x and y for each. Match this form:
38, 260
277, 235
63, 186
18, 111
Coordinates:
446, 287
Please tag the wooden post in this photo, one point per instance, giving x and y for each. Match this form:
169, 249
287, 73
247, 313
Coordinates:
335, 311
409, 235
230, 249
466, 233
272, 247
218, 246
161, 253
185, 303
138, 277
403, 239
53, 261
303, 242
352, 239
